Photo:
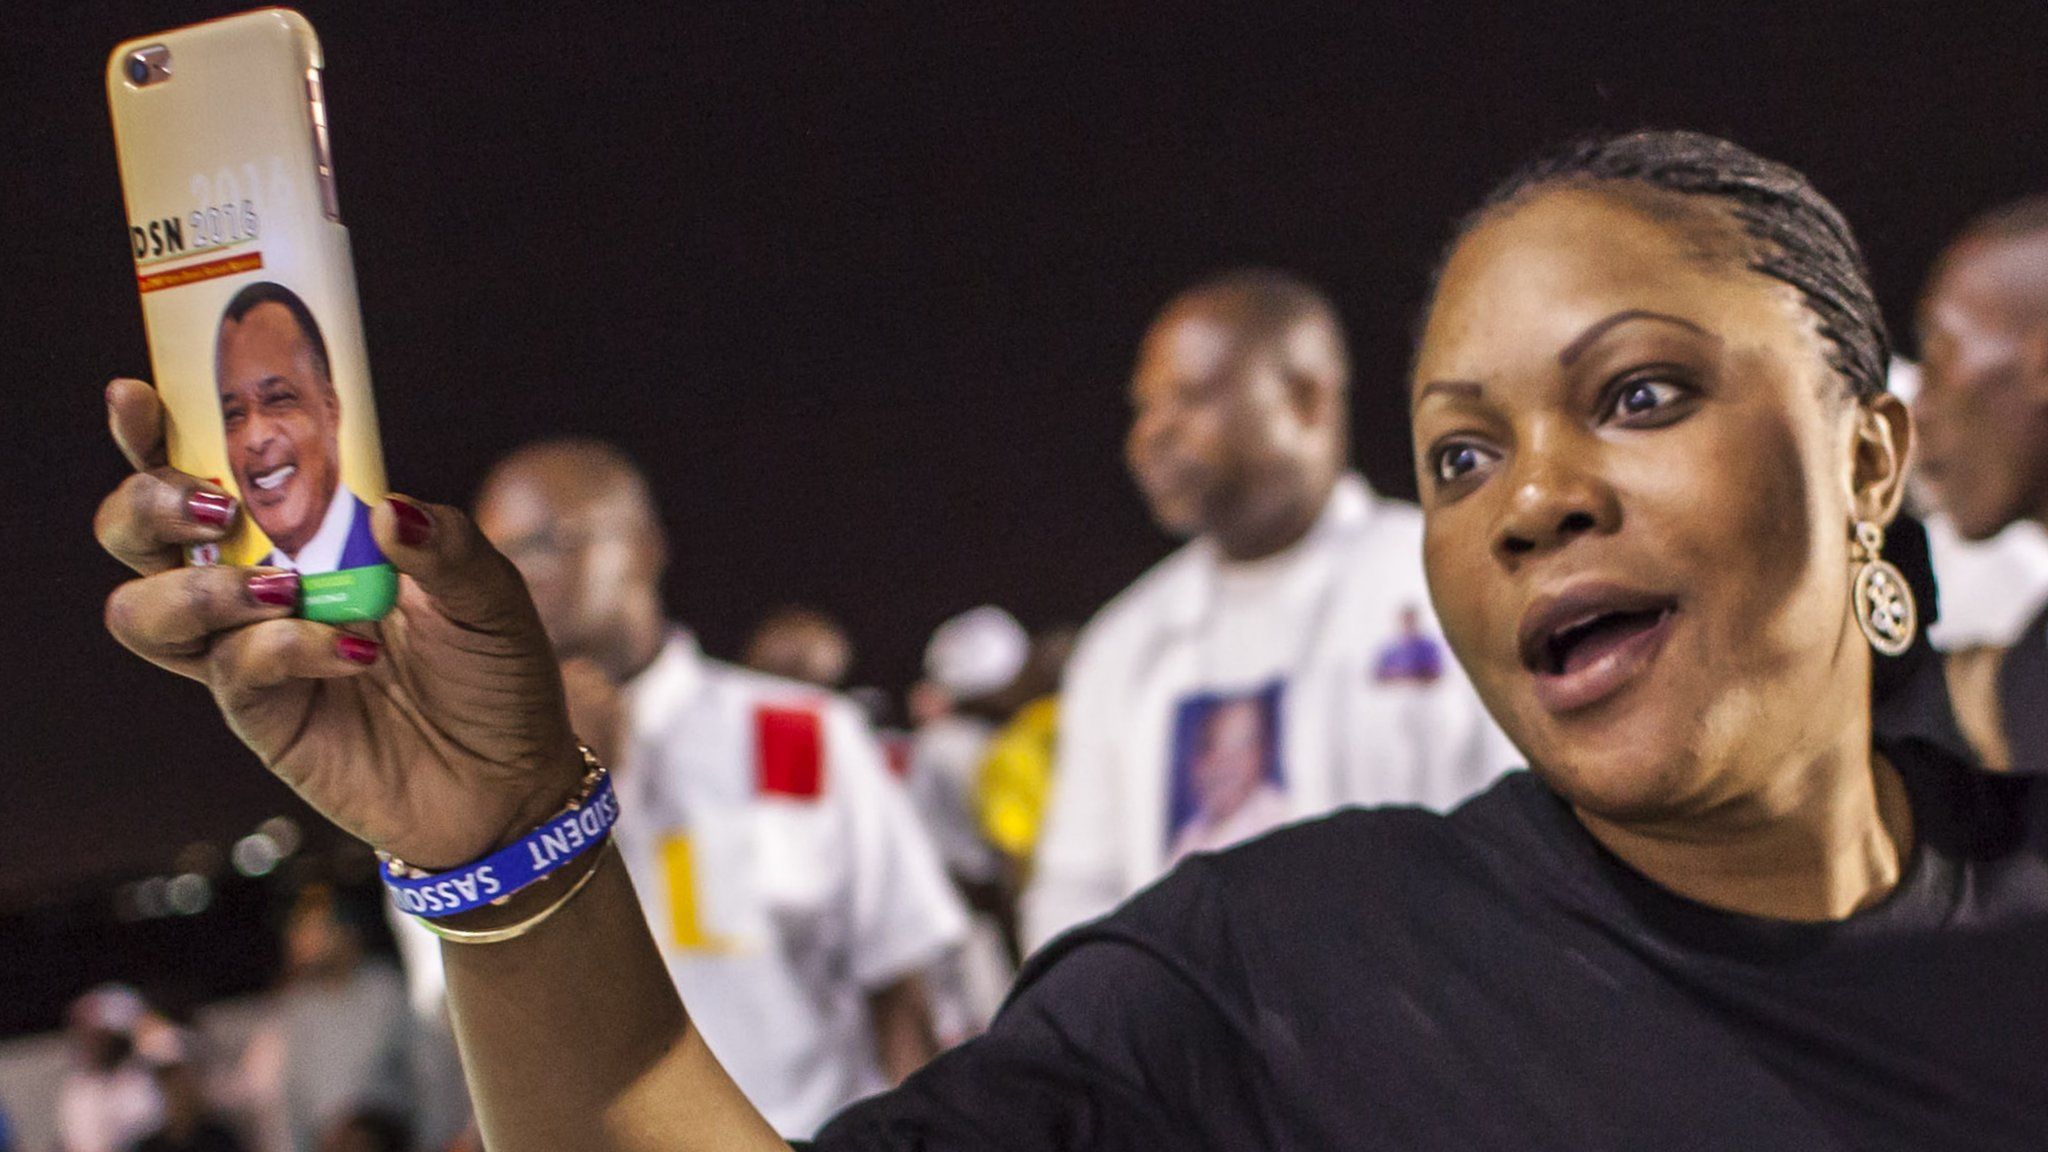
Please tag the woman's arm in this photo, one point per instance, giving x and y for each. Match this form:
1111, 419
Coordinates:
573, 1037
438, 734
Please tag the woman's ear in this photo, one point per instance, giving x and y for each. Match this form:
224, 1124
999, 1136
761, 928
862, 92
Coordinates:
1882, 451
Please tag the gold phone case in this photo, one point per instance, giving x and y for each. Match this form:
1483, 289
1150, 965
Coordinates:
249, 296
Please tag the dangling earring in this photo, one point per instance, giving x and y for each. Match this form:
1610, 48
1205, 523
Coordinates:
1883, 601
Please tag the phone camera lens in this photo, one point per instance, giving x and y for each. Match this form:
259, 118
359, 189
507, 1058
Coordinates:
138, 70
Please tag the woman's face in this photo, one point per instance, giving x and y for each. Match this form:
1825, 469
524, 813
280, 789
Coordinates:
1639, 475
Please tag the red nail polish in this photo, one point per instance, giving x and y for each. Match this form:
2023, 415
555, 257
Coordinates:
210, 508
413, 525
355, 649
280, 589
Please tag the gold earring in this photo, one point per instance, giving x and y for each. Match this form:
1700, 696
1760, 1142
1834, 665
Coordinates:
1883, 602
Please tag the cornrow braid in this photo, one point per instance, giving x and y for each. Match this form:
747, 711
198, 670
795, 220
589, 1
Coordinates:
1797, 236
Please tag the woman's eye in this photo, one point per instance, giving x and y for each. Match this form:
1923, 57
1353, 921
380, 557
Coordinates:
1456, 461
1642, 397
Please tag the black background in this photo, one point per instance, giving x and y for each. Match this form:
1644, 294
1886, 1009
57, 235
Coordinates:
860, 284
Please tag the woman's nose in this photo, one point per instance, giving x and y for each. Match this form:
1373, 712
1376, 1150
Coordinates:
1558, 495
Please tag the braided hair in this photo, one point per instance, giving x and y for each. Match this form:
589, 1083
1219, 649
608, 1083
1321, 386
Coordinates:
1794, 234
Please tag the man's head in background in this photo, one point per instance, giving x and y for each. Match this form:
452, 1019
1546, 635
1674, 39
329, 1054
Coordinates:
1240, 421
280, 412
801, 644
578, 520
103, 1023
323, 936
1982, 411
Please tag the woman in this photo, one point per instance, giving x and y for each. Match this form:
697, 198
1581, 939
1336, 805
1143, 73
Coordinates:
1650, 426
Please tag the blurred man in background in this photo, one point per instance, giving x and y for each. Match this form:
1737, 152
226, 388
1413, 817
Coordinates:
110, 1097
1990, 588
338, 1036
801, 644
1982, 419
793, 893
1295, 585
969, 666
190, 1123
1015, 779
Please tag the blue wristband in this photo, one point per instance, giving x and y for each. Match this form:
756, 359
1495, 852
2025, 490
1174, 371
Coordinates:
534, 858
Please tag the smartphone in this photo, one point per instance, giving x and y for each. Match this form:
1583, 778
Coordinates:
249, 297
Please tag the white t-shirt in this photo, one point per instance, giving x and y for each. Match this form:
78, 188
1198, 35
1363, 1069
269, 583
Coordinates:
1325, 658
945, 758
1991, 589
108, 1111
967, 987
782, 872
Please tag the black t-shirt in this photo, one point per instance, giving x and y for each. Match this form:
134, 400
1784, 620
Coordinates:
1495, 980
208, 1136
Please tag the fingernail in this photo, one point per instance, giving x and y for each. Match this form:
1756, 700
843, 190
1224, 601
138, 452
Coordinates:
210, 508
413, 525
280, 589
355, 649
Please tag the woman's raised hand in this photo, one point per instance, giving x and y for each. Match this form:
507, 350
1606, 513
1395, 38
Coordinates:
436, 734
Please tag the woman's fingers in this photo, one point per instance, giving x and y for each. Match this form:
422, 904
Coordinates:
172, 619
247, 662
136, 418
441, 549
146, 522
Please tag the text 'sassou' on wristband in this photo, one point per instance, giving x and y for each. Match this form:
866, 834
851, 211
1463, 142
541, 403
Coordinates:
529, 860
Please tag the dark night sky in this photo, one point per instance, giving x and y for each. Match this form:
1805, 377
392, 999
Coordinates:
860, 286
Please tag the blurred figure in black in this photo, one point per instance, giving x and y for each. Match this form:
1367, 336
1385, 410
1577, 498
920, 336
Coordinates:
1982, 415
190, 1123
370, 1130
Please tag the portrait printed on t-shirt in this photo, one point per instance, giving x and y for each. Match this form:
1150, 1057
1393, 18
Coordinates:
1227, 781
1413, 657
281, 415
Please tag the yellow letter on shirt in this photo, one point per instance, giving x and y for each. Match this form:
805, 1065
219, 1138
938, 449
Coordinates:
679, 867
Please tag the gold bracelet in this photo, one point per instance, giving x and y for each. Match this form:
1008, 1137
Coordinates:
515, 931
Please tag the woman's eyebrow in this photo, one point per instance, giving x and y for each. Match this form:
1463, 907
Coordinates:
1468, 389
1584, 340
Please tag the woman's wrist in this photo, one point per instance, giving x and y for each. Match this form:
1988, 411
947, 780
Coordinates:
531, 903
568, 775
562, 845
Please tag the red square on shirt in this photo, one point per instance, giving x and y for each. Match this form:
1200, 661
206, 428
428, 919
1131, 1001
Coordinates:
789, 752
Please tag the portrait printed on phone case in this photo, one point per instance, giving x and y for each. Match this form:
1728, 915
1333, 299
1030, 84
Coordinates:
281, 419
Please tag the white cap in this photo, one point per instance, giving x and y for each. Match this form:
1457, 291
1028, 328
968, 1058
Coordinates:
977, 652
109, 1008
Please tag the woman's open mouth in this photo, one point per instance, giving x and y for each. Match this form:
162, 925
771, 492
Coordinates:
1591, 642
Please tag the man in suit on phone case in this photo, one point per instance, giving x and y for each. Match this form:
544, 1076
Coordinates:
283, 421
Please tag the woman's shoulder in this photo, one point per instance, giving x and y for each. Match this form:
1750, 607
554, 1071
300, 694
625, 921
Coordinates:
1358, 867
1394, 852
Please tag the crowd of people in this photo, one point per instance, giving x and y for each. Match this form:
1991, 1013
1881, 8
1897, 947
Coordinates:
838, 900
